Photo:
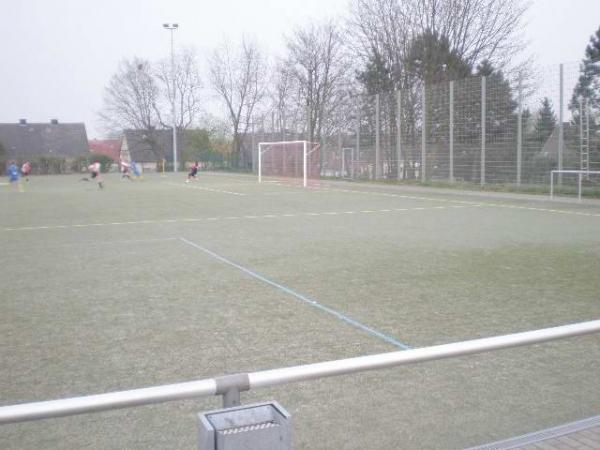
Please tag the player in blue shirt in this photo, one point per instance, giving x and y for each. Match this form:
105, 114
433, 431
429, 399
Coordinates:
14, 176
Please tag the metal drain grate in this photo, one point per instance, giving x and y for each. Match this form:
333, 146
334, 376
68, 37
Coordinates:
253, 427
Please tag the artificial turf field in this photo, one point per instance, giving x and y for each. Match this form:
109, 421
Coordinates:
132, 286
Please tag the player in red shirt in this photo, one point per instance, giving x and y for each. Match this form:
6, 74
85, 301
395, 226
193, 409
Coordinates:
193, 174
26, 170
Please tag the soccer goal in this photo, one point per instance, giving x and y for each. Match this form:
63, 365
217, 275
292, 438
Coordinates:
569, 182
289, 161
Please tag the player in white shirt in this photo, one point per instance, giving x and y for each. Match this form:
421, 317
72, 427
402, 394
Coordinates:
94, 169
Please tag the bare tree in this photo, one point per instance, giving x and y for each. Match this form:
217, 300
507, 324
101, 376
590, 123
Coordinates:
188, 87
238, 77
381, 32
476, 30
131, 100
317, 62
131, 97
289, 116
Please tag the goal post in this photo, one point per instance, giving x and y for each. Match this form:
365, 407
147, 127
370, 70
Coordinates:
348, 162
298, 161
591, 177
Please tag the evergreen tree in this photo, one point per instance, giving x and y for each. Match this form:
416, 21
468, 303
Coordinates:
431, 60
588, 85
376, 77
484, 68
501, 126
546, 121
587, 92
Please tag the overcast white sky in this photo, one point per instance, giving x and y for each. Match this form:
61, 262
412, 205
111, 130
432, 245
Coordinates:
57, 55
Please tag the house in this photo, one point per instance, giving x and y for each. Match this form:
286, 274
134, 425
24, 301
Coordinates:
107, 147
24, 141
570, 148
149, 147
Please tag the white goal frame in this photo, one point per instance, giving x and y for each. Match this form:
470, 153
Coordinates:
345, 151
305, 153
580, 175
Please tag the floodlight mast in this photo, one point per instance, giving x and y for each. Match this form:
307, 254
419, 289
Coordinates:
172, 27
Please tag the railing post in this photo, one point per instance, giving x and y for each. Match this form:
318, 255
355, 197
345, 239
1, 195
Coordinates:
451, 131
483, 131
232, 398
377, 139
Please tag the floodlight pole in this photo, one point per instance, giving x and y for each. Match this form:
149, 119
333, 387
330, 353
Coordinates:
172, 27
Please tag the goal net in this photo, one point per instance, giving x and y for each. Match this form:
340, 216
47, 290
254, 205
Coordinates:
295, 161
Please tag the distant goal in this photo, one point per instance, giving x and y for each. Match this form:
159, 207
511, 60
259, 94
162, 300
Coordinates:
575, 182
290, 161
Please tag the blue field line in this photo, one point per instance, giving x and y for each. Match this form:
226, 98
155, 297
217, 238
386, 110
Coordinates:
311, 302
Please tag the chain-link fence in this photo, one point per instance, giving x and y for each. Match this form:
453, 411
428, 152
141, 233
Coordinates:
482, 130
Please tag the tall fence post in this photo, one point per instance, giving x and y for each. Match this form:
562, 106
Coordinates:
483, 105
377, 139
357, 134
309, 130
273, 123
342, 156
423, 135
253, 143
560, 122
520, 133
451, 131
305, 164
400, 174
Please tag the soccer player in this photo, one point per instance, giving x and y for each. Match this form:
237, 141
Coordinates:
193, 174
137, 170
94, 169
125, 170
14, 176
26, 170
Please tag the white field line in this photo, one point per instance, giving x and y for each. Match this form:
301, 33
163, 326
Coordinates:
302, 297
462, 202
244, 217
97, 244
201, 188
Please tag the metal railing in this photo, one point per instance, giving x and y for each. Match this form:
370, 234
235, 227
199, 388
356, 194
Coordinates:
231, 385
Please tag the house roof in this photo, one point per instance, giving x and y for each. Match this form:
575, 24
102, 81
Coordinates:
148, 145
26, 140
108, 147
